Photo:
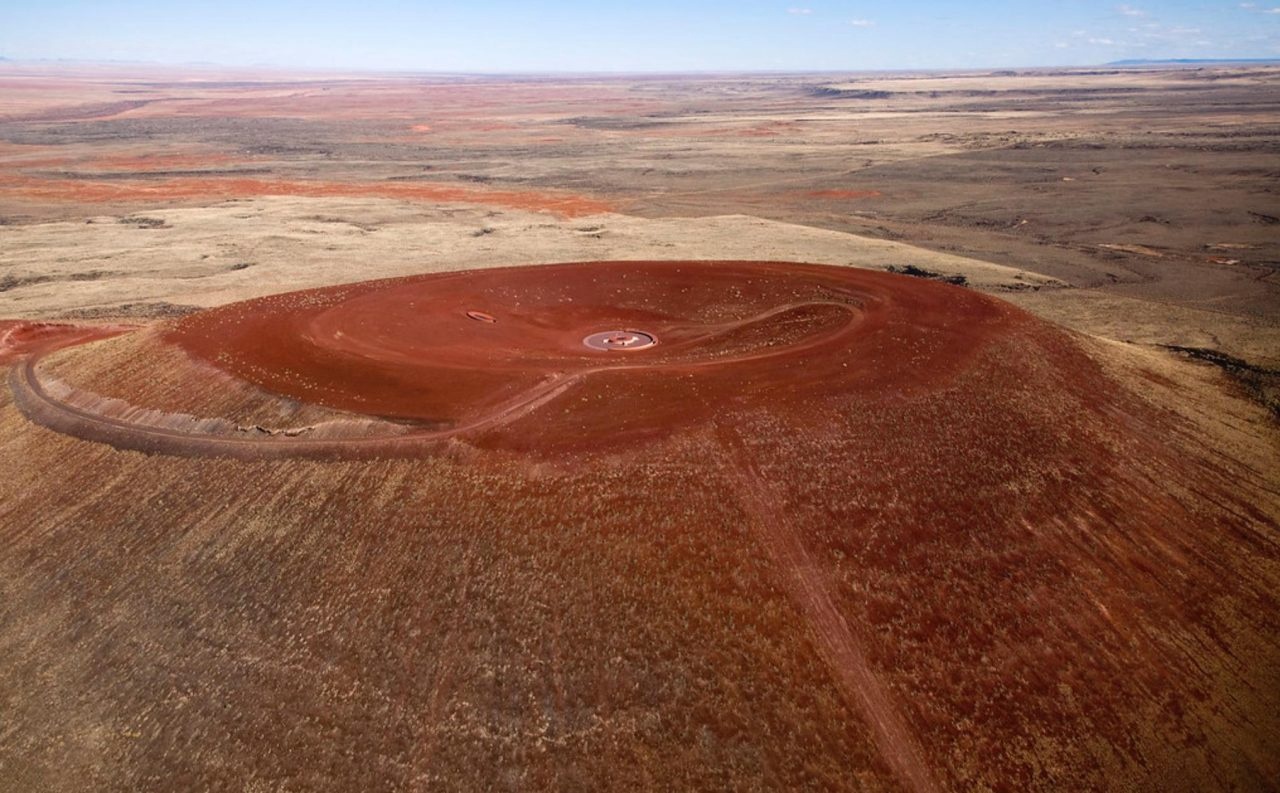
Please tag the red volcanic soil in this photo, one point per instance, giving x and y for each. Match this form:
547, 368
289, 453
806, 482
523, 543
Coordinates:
88, 190
832, 529
19, 339
784, 337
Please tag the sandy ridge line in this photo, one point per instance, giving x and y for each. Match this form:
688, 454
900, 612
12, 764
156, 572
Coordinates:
811, 593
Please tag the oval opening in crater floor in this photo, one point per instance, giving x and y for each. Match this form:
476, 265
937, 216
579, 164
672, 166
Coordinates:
620, 340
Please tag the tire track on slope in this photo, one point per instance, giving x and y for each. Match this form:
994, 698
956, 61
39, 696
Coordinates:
811, 592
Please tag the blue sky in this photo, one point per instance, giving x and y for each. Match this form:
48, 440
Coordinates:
658, 35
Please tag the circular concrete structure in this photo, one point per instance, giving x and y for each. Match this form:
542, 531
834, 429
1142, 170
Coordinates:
620, 340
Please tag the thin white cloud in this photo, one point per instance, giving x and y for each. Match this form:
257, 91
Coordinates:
802, 12
862, 23
1101, 41
1130, 11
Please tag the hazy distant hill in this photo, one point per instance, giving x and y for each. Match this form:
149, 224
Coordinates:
1157, 62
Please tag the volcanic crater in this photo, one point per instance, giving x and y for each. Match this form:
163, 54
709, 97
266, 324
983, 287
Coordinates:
848, 524
572, 356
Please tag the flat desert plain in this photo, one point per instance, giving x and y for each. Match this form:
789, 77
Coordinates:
829, 431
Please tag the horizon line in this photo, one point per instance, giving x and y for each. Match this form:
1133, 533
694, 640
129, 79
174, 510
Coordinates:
390, 72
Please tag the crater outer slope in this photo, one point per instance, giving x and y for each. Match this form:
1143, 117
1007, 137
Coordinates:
835, 529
